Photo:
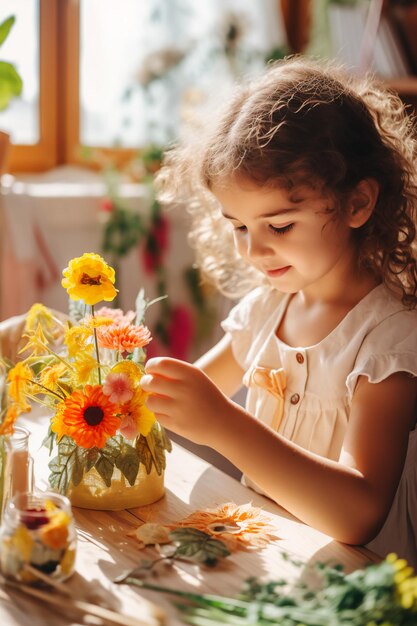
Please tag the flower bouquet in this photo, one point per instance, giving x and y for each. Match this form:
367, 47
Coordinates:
109, 448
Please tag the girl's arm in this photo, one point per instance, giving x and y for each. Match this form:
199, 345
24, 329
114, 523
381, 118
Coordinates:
221, 367
347, 499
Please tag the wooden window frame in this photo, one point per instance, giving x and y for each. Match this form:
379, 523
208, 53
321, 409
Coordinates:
43, 155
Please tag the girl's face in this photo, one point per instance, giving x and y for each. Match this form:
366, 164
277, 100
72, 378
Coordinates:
289, 236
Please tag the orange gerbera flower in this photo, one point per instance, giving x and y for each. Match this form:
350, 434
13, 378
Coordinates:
243, 526
123, 337
87, 416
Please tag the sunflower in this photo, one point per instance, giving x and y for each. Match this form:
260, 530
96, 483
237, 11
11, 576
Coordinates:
87, 416
90, 279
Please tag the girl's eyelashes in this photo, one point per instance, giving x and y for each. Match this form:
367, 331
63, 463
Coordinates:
276, 230
281, 230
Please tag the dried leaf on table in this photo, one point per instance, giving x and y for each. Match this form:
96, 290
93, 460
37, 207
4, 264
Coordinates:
150, 534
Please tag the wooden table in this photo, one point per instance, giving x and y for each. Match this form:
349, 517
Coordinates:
105, 550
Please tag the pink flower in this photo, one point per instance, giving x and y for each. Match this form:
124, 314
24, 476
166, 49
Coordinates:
106, 205
118, 387
123, 337
116, 315
129, 427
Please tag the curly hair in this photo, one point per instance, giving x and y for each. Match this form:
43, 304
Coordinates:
303, 122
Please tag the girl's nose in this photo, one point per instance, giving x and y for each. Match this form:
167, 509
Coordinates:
257, 247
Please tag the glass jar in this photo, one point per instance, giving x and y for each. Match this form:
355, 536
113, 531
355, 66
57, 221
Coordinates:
16, 466
37, 533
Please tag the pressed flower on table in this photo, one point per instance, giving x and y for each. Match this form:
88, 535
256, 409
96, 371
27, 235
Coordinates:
239, 526
89, 378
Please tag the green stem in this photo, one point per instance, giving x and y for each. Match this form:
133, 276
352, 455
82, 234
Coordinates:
35, 382
68, 365
96, 345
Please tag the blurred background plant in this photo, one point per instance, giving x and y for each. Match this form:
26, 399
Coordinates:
11, 83
174, 82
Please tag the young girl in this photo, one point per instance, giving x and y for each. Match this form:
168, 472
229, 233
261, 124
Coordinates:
304, 195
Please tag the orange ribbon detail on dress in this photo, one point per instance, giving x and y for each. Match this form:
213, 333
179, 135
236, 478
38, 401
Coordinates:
274, 381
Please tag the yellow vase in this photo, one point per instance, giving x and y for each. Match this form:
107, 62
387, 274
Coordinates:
93, 493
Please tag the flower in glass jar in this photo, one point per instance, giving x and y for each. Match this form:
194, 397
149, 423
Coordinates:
54, 534
90, 279
87, 416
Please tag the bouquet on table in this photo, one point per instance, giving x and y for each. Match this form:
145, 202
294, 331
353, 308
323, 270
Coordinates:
109, 448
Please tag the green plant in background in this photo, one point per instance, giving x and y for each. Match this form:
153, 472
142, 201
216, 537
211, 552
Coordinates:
10, 81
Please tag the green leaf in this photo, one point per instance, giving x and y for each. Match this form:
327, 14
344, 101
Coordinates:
145, 454
122, 232
91, 457
78, 466
49, 440
5, 28
140, 306
198, 546
62, 465
10, 84
165, 440
156, 449
105, 467
128, 462
77, 309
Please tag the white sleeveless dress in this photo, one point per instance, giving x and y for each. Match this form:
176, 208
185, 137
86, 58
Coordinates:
377, 338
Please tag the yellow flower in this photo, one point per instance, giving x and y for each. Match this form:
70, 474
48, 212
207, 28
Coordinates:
98, 320
20, 379
50, 375
131, 369
90, 279
76, 339
84, 365
136, 418
37, 342
38, 314
405, 582
12, 413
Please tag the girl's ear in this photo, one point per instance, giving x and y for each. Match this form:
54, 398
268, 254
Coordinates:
362, 202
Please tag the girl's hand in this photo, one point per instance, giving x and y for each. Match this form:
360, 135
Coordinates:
185, 400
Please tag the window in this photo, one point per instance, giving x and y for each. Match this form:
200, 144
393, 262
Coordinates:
121, 75
31, 119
